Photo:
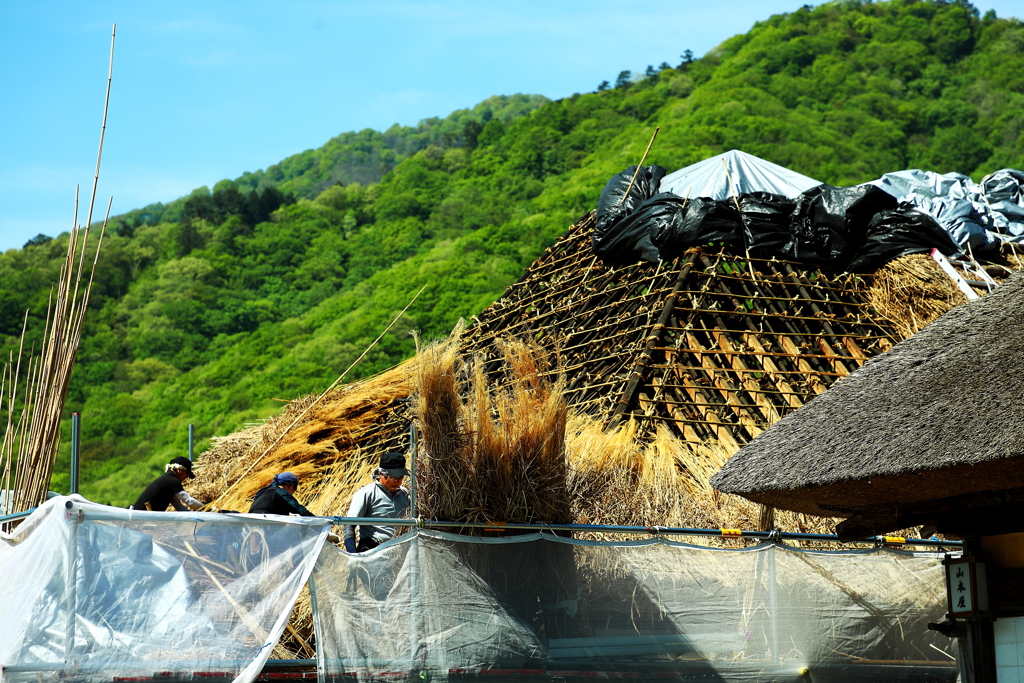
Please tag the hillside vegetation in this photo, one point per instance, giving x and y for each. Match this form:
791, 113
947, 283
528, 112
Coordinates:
210, 308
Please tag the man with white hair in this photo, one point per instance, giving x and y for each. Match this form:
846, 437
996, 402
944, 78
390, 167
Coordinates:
168, 489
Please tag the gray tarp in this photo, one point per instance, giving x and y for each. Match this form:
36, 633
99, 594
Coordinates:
978, 215
93, 592
539, 607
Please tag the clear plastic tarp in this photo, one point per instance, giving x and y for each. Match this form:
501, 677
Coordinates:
434, 605
99, 593
735, 173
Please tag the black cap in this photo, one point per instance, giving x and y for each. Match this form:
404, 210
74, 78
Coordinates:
394, 463
186, 463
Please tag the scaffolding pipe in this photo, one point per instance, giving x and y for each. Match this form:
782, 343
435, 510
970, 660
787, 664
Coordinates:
321, 667
191, 443
16, 516
215, 518
653, 530
76, 440
168, 665
412, 469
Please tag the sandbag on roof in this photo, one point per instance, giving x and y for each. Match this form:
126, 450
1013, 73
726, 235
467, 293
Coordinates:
709, 178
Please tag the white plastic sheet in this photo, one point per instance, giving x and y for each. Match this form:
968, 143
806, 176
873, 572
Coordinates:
97, 593
436, 605
735, 173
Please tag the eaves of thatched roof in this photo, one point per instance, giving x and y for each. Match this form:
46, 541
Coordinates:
940, 416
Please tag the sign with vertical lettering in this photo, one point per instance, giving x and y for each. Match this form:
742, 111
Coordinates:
965, 586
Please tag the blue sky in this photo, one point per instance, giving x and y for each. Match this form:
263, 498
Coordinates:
208, 90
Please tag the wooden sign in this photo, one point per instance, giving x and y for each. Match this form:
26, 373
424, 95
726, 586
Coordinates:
966, 588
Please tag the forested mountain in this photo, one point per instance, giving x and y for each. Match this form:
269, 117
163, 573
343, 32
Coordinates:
210, 308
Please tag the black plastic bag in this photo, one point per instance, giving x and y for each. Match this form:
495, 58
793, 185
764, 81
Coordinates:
899, 232
830, 223
766, 221
704, 221
616, 240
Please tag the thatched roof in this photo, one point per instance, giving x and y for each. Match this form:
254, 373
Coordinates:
940, 415
710, 349
690, 358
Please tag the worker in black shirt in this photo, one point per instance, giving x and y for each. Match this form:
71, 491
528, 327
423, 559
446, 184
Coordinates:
168, 489
279, 497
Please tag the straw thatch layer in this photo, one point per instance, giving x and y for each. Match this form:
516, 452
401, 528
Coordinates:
939, 415
332, 448
913, 291
490, 452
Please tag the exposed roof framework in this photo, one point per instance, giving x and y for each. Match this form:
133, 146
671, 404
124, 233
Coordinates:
715, 344
932, 432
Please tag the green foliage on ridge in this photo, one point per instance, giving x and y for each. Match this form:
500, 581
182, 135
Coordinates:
209, 308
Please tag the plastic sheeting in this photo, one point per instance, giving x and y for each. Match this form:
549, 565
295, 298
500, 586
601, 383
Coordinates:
735, 173
93, 592
841, 228
978, 215
435, 605
622, 229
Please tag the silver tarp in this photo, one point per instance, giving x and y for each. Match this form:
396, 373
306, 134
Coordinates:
735, 173
976, 215
104, 595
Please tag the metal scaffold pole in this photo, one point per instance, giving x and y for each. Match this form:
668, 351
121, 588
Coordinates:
76, 440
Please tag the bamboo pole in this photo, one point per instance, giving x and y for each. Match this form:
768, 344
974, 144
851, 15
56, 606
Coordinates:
639, 166
37, 436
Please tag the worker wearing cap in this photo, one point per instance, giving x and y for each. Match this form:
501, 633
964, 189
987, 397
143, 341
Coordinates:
384, 498
279, 497
168, 489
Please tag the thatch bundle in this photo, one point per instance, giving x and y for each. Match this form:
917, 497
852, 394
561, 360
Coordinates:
490, 453
616, 477
327, 448
912, 291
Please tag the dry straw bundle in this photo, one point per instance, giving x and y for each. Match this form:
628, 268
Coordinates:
490, 454
617, 478
912, 291
326, 448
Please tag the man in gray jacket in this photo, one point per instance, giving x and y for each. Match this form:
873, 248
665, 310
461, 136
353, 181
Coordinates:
384, 498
